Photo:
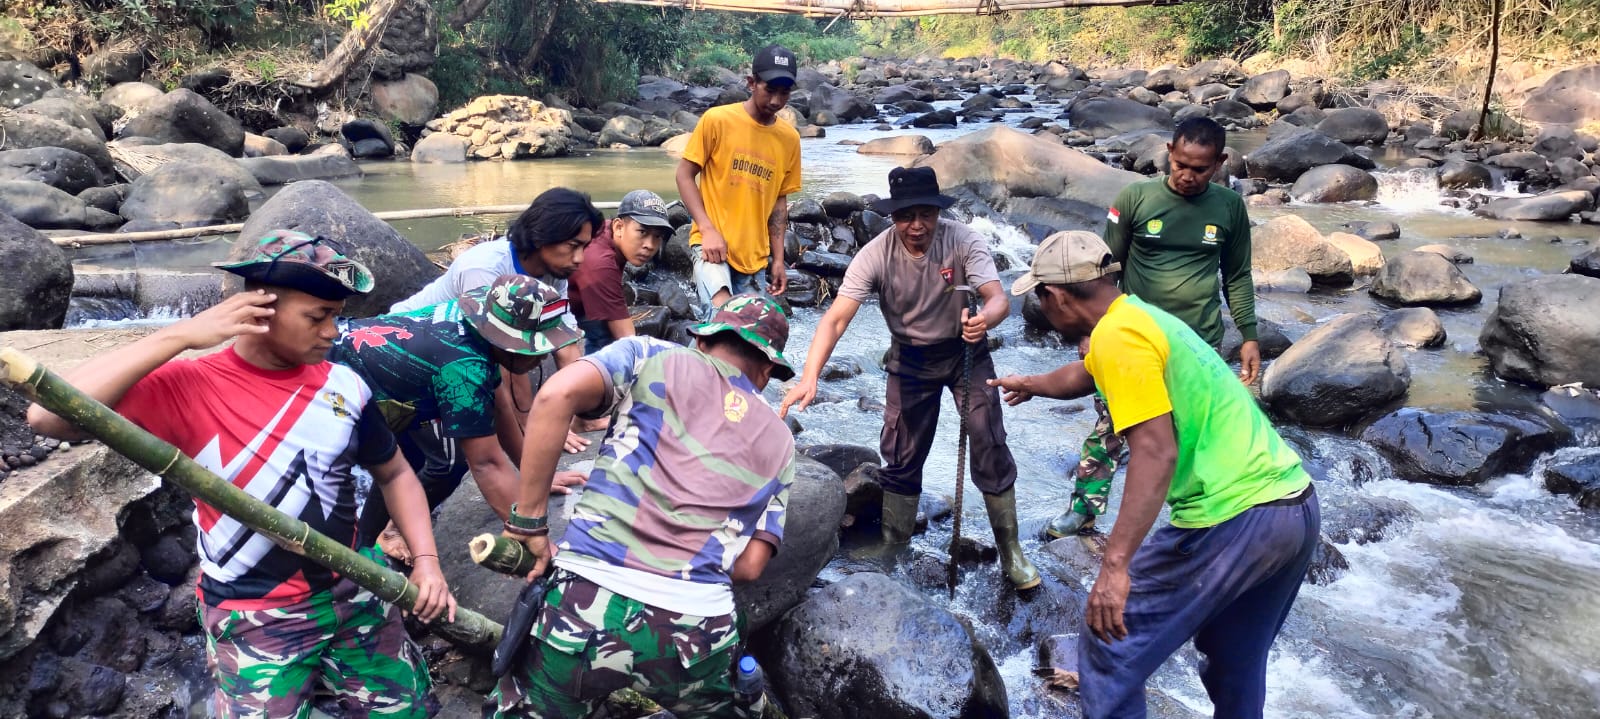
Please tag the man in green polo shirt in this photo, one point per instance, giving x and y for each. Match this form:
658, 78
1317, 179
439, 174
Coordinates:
1181, 240
1245, 518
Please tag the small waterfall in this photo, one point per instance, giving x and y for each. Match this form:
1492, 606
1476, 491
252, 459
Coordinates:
1409, 191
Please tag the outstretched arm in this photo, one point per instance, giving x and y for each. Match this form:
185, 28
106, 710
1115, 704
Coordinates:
829, 330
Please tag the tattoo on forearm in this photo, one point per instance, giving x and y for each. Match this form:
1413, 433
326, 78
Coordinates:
778, 221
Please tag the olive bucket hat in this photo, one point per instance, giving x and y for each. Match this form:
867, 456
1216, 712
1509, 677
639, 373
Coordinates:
756, 320
519, 314
316, 266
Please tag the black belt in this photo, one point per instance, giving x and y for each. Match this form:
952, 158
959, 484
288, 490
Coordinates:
1292, 501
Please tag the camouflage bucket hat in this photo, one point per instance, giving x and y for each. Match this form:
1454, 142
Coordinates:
314, 265
760, 322
519, 314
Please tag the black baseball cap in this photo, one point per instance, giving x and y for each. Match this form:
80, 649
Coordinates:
774, 62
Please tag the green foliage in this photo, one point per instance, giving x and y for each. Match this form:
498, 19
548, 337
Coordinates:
265, 67
352, 12
1414, 44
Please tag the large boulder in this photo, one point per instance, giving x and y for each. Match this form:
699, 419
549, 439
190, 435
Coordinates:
188, 195
1464, 175
1105, 117
1288, 241
1579, 478
1001, 163
411, 100
1570, 97
42, 206
441, 147
1462, 449
50, 536
35, 278
869, 646
1424, 279
1546, 331
840, 104
1414, 327
131, 97
22, 83
1263, 91
368, 138
294, 168
1224, 71
622, 130
317, 208
57, 167
810, 539
1335, 183
1286, 157
1366, 257
22, 132
1556, 206
1557, 143
198, 155
74, 110
1337, 374
185, 116
1355, 125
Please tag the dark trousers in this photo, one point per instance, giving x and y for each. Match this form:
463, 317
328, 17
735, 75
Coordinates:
917, 377
596, 335
439, 466
1229, 587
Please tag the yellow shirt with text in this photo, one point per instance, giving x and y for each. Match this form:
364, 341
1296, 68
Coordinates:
745, 168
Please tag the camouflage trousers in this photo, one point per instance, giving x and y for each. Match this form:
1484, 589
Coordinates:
271, 663
589, 642
1102, 451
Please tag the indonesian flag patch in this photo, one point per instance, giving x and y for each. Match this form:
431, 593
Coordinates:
1113, 216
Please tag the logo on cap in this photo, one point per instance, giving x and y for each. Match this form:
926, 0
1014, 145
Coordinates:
780, 60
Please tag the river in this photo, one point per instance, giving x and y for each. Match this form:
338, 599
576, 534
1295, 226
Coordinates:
1478, 602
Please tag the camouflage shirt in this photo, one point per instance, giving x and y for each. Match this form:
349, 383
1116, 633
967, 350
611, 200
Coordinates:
695, 465
424, 365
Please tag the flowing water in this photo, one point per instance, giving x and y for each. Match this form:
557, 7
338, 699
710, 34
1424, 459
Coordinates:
1475, 602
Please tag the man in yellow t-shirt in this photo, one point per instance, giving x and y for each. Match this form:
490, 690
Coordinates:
1245, 519
747, 162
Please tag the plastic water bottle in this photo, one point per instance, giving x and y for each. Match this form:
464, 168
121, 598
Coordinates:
749, 681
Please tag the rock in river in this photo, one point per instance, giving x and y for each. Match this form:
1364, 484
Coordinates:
869, 646
1546, 331
1424, 278
1336, 374
35, 278
1462, 449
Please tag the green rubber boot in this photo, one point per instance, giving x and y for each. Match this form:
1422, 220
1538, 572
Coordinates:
1071, 523
899, 517
1003, 518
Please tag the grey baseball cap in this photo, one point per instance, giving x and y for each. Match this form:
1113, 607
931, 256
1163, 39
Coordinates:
645, 207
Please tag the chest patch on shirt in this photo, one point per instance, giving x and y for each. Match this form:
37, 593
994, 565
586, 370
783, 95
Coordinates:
949, 274
735, 406
1153, 227
1211, 234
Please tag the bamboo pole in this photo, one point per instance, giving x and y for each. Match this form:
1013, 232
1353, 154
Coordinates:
113, 238
469, 629
886, 8
502, 555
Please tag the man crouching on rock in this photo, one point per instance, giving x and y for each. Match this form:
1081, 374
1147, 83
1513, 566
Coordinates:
687, 496
271, 415
1245, 518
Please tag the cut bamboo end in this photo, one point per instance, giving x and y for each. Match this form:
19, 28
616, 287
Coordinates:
479, 547
16, 367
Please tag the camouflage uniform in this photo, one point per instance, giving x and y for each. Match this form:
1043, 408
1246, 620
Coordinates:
1102, 451
695, 466
589, 642
269, 663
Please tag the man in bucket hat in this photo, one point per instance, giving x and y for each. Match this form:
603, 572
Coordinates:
915, 268
687, 497
272, 416
434, 372
1245, 518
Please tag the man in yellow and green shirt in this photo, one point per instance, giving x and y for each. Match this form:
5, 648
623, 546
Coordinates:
1244, 519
